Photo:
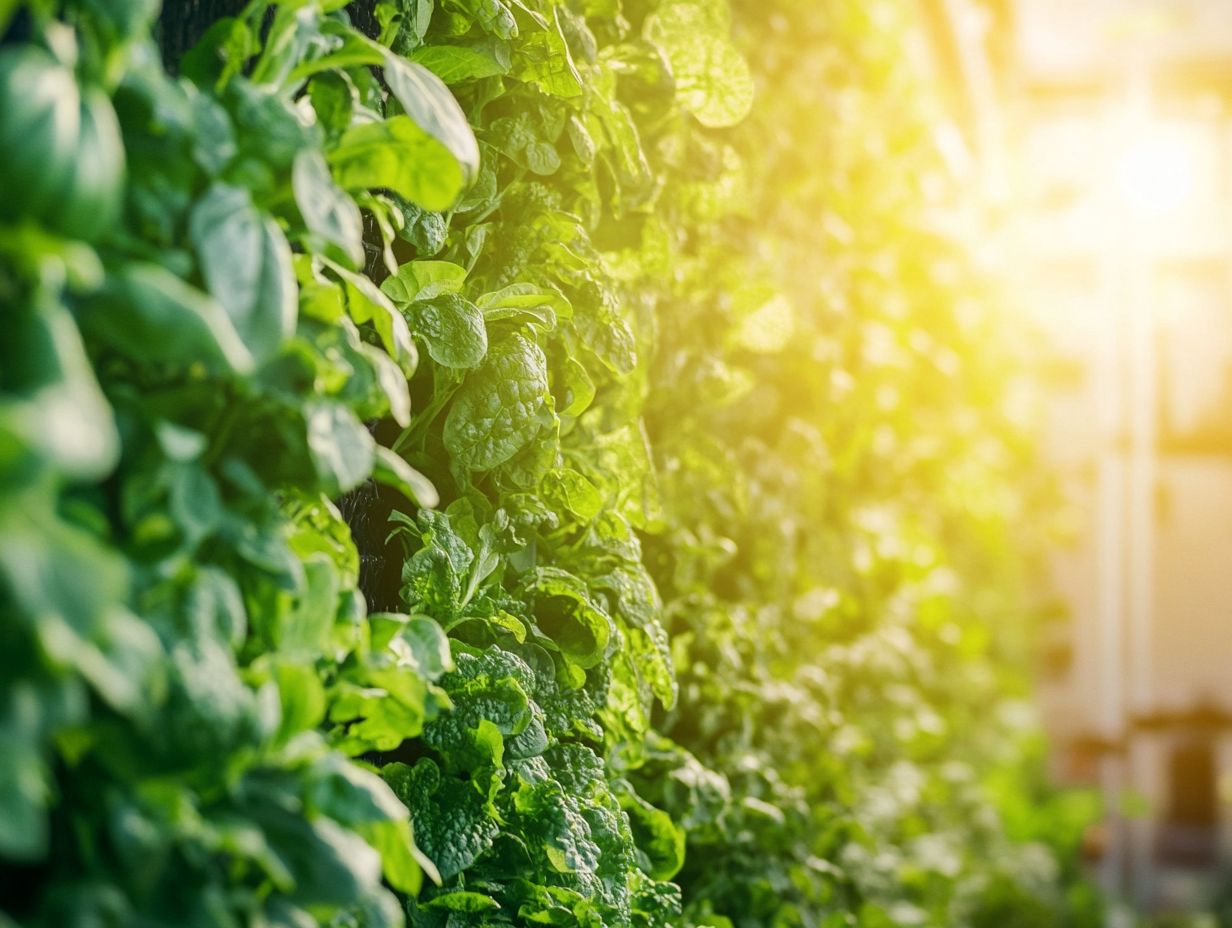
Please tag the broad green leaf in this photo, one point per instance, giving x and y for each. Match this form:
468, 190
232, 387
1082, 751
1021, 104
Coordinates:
427, 645
385, 707
454, 64
302, 697
451, 824
331, 865
524, 300
390, 469
403, 24
428, 102
366, 303
661, 839
493, 715
575, 389
328, 212
305, 629
712, 78
422, 280
246, 263
401, 861
333, 100
436, 574
428, 156
220, 53
492, 16
453, 329
462, 901
392, 383
348, 49
147, 312
495, 412
342, 450
570, 490
65, 418
397, 154
544, 60
565, 613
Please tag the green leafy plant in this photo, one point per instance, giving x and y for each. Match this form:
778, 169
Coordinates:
699, 497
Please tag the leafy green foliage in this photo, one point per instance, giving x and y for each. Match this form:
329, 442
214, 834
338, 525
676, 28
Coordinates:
701, 528
188, 660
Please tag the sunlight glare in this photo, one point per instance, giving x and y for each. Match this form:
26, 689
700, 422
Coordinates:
1154, 174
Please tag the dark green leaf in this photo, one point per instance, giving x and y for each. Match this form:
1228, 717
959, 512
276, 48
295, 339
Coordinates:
496, 411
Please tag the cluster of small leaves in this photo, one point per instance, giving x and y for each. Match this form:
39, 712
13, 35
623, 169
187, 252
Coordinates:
705, 497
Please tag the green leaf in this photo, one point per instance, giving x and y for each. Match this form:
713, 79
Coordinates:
493, 715
570, 490
544, 60
302, 698
246, 263
524, 301
496, 410
712, 78
462, 901
398, 154
380, 707
453, 329
220, 53
454, 64
333, 100
452, 825
64, 416
401, 861
435, 575
348, 49
305, 629
423, 280
391, 381
342, 449
366, 303
328, 212
427, 101
428, 156
492, 16
660, 841
330, 865
392, 470
569, 618
429, 648
146, 312
575, 389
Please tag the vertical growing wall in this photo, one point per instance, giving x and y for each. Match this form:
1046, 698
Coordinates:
685, 413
